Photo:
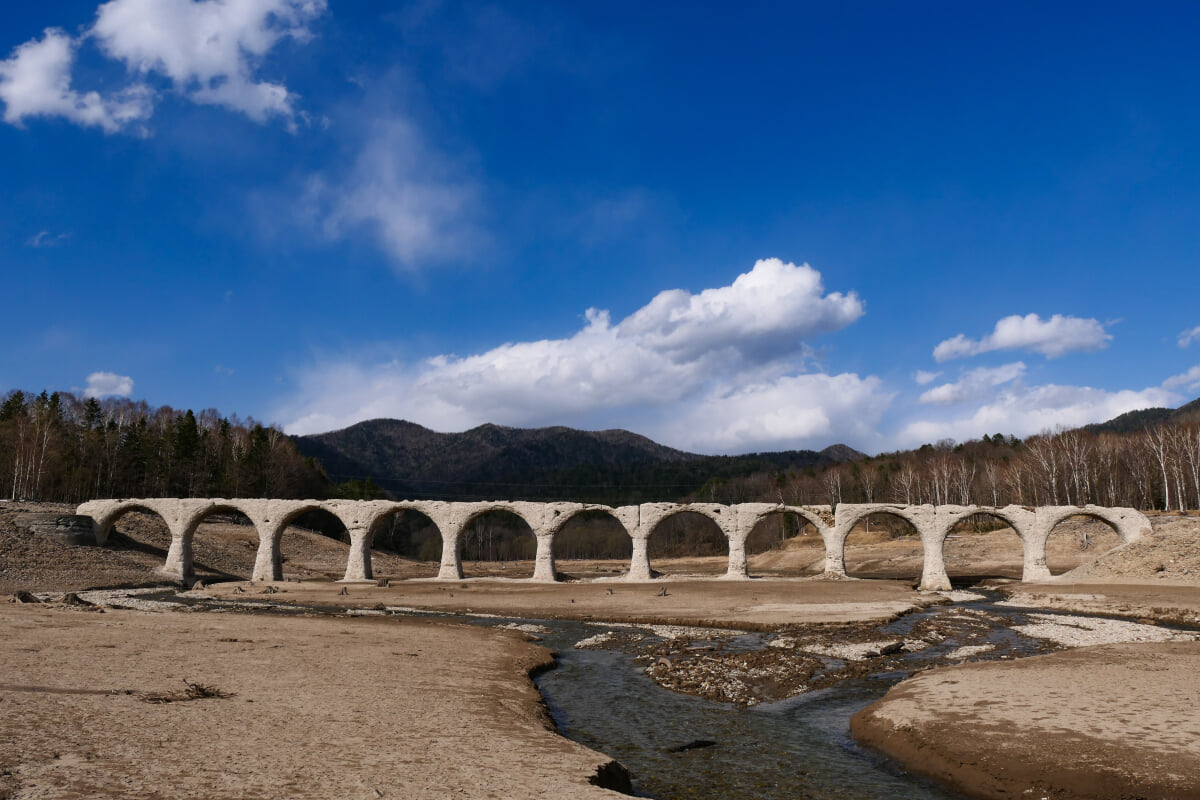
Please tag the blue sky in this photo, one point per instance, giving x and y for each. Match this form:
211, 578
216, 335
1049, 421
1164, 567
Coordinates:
775, 226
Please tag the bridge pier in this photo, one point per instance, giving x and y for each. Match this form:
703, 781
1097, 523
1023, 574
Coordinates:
268, 562
543, 565
639, 563
933, 566
179, 564
451, 567
738, 570
358, 564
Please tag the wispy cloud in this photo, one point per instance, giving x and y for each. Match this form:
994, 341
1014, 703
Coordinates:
1189, 336
409, 199
1052, 338
1189, 381
973, 384
922, 377
47, 239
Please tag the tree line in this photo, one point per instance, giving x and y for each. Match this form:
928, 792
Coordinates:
1154, 468
59, 447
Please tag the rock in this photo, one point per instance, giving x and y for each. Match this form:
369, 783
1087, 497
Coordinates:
197, 585
72, 599
24, 597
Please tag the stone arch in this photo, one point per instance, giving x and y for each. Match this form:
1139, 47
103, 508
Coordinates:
722, 524
507, 510
959, 516
1128, 524
621, 546
274, 517
430, 548
177, 557
901, 513
752, 525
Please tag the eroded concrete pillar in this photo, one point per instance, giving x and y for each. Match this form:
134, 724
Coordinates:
543, 566
835, 550
268, 563
738, 569
639, 563
933, 568
358, 565
179, 564
1035, 567
451, 568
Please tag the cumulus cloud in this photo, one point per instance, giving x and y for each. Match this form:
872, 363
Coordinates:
976, 383
1189, 336
1052, 338
1026, 410
1189, 381
922, 377
401, 193
714, 371
207, 50
108, 384
35, 81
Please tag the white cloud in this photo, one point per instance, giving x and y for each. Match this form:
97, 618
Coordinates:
1052, 338
1189, 380
405, 196
1024, 411
713, 371
922, 377
209, 51
35, 81
108, 384
976, 383
1189, 336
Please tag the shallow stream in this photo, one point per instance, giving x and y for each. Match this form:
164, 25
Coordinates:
678, 746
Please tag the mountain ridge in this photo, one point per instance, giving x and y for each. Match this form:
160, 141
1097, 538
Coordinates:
615, 465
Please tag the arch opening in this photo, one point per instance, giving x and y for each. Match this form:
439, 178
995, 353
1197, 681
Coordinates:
591, 544
141, 529
983, 545
406, 543
498, 544
884, 545
224, 546
689, 542
314, 544
784, 543
1079, 539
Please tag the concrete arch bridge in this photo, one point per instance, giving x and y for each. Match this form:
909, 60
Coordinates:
362, 518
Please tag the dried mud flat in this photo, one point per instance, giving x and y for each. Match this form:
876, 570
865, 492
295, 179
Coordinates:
305, 707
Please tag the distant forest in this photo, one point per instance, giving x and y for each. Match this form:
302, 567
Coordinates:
1145, 459
63, 448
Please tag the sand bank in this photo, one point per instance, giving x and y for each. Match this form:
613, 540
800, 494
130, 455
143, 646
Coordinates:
1112, 721
757, 604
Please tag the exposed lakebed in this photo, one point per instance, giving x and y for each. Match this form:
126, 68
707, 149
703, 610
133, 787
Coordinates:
714, 713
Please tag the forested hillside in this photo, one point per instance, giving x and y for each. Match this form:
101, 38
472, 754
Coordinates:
1145, 459
615, 467
63, 448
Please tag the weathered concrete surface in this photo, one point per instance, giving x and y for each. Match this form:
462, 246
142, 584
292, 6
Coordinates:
363, 519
